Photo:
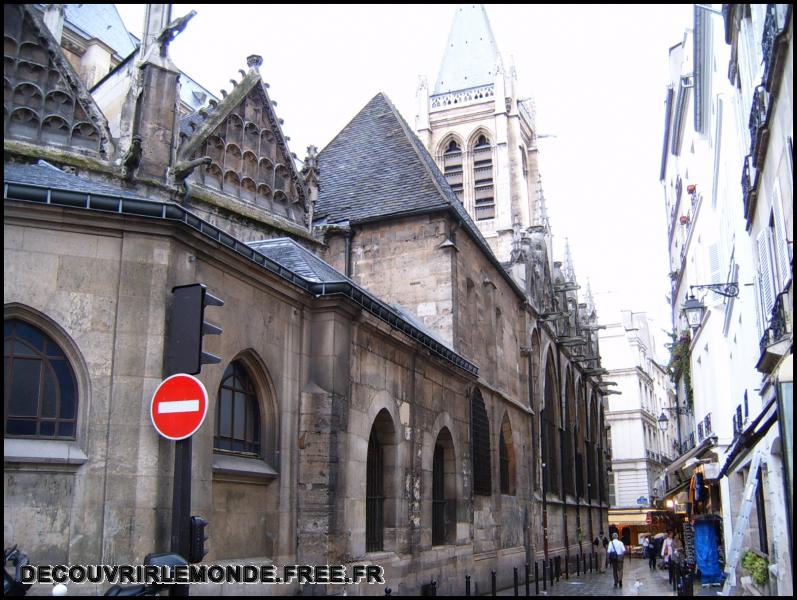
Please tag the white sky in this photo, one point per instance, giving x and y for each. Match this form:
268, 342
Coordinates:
597, 73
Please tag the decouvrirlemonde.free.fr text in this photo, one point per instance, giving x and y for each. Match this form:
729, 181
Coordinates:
188, 574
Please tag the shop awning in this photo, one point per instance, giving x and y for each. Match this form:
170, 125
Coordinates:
633, 517
695, 452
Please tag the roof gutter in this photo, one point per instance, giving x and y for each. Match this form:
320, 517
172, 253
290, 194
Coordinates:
120, 205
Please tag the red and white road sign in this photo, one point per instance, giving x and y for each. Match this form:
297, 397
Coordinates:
179, 406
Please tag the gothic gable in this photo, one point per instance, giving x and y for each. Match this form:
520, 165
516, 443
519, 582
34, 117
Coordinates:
249, 156
44, 101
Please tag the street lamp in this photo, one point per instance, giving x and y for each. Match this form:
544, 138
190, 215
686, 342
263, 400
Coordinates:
663, 422
694, 308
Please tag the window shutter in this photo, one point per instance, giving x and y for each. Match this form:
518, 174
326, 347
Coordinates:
715, 274
765, 274
780, 242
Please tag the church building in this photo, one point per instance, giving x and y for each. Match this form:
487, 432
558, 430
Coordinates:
407, 378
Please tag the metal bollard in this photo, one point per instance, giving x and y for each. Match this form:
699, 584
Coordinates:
434, 588
567, 566
492, 576
550, 570
544, 576
388, 591
578, 565
558, 565
528, 573
467, 585
514, 574
537, 578
584, 559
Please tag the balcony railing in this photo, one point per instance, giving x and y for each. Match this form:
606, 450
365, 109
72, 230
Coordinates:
778, 326
738, 423
759, 126
749, 187
774, 46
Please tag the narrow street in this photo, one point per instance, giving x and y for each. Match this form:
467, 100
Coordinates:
637, 581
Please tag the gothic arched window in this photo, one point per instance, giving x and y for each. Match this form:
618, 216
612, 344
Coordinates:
238, 415
480, 445
381, 491
444, 490
452, 167
484, 193
550, 432
40, 389
506, 453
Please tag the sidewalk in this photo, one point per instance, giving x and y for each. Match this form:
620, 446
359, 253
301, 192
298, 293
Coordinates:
637, 581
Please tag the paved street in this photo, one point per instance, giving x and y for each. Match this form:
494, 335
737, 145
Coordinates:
637, 581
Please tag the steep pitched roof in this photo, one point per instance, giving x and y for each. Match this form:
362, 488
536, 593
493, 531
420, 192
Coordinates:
471, 52
237, 125
101, 21
376, 168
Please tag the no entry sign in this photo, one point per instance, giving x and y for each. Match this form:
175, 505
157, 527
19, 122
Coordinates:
179, 406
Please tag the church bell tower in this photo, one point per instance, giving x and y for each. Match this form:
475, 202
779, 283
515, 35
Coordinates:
481, 134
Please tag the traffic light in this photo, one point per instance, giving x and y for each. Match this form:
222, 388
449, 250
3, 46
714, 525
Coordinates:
197, 550
186, 326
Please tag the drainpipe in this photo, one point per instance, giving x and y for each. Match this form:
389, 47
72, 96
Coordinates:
348, 235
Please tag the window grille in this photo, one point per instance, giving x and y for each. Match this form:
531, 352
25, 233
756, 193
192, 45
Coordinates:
480, 446
438, 497
375, 496
504, 463
484, 194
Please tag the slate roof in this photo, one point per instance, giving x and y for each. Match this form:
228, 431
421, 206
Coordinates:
299, 260
291, 255
376, 167
101, 21
471, 52
46, 175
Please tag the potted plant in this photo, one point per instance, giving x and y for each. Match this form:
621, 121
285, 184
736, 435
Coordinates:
757, 583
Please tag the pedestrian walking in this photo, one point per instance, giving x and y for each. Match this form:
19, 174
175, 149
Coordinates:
650, 553
603, 561
667, 547
616, 556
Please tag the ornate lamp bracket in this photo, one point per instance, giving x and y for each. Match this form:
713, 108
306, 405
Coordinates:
729, 290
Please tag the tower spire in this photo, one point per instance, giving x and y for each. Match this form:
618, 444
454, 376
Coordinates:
471, 52
567, 268
540, 210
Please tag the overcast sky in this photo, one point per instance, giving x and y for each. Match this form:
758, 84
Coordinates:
597, 73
